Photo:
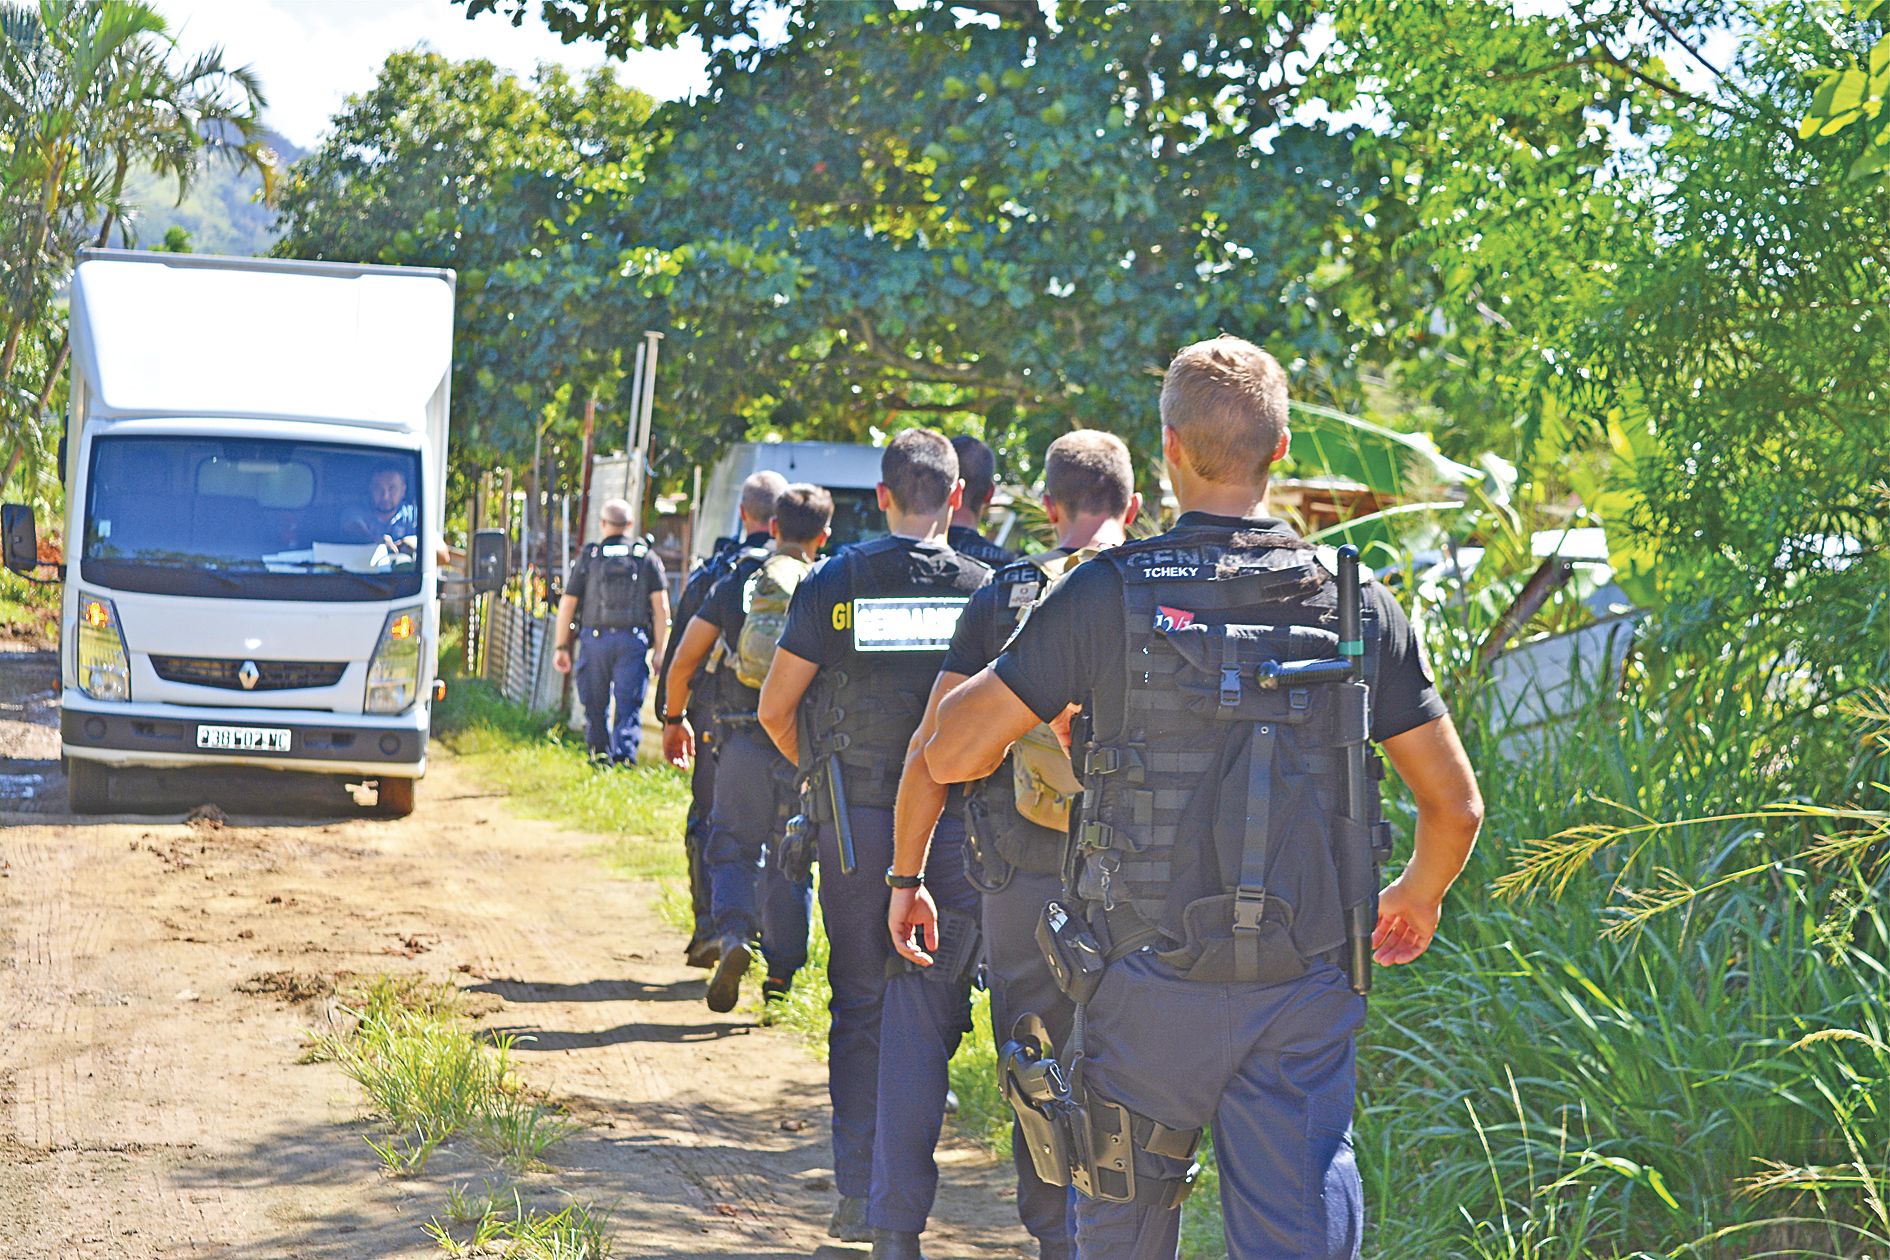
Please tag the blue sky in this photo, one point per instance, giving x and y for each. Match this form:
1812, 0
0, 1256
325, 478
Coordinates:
310, 54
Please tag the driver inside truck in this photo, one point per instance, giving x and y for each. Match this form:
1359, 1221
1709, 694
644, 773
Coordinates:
390, 517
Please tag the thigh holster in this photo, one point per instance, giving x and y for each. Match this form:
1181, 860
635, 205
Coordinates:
1080, 1139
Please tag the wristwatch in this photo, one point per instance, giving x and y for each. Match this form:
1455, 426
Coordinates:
675, 719
894, 880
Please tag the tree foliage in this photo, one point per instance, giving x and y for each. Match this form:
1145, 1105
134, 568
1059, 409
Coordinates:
444, 164
87, 91
973, 214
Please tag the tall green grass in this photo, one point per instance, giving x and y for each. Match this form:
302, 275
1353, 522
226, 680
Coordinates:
1600, 1065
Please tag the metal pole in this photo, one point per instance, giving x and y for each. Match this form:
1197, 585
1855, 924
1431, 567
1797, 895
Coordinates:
650, 338
564, 540
584, 469
630, 427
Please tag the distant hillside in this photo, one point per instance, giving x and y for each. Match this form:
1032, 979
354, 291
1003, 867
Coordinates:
223, 211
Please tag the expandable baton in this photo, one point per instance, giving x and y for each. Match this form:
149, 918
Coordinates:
842, 828
1357, 865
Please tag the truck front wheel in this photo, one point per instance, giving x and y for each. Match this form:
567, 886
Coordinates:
394, 797
88, 786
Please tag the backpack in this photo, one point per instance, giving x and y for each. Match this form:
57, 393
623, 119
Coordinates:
1043, 784
765, 598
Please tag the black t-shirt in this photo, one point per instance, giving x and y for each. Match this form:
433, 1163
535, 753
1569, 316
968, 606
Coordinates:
653, 577
988, 623
1071, 647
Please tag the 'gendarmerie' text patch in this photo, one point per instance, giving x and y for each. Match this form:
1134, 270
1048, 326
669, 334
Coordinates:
905, 625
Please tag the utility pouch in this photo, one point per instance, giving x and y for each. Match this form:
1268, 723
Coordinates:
1041, 778
1212, 951
794, 856
1071, 951
985, 866
958, 956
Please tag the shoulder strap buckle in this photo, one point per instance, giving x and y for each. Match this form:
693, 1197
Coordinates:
1250, 908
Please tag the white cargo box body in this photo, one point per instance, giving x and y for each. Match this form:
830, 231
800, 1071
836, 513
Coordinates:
341, 368
328, 343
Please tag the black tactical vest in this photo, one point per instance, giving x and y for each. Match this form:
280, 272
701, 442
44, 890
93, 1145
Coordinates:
967, 541
899, 603
735, 702
1211, 780
999, 834
614, 595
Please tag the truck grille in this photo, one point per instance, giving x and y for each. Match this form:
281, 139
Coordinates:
203, 671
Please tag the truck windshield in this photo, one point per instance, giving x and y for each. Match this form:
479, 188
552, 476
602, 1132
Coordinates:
249, 518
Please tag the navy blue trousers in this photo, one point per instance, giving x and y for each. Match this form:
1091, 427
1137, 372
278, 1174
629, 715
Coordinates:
1021, 984
754, 785
888, 1107
696, 826
1271, 1068
613, 664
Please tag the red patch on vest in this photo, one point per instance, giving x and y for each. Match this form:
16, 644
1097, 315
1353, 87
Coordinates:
1168, 620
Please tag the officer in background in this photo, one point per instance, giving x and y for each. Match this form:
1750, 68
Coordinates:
978, 467
755, 510
865, 636
1019, 816
1212, 838
617, 602
741, 622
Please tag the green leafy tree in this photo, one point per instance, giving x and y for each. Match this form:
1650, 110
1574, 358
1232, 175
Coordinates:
447, 164
973, 214
87, 90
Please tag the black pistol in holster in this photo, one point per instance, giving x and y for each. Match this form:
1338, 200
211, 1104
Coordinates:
1076, 1137
824, 786
800, 846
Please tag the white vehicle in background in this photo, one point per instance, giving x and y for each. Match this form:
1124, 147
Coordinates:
255, 472
848, 470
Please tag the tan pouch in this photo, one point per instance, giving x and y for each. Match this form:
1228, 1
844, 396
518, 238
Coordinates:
1042, 779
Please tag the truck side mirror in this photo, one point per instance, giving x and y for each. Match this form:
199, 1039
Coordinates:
22, 538
488, 561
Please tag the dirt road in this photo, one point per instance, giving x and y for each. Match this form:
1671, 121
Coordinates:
161, 976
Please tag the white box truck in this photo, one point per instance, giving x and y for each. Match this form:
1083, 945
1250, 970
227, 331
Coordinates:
255, 474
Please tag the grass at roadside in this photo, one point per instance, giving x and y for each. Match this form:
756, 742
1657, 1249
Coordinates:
430, 1078
543, 769
28, 610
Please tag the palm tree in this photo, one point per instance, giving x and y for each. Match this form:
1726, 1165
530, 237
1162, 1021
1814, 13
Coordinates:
89, 89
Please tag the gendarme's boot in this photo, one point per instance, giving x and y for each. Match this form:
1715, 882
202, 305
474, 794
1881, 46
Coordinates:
849, 1221
702, 951
725, 982
890, 1244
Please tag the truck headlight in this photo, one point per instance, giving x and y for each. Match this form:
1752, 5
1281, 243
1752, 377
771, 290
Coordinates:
104, 667
393, 676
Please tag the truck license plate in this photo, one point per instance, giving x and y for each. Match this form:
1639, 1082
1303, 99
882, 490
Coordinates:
243, 738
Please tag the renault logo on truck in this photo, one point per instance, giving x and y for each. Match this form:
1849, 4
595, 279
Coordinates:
248, 674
